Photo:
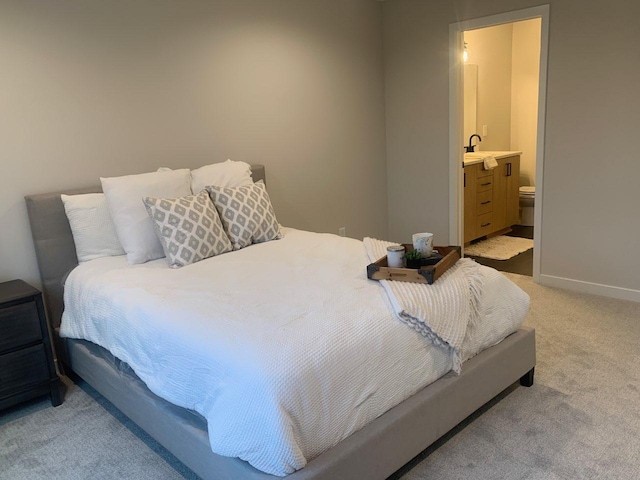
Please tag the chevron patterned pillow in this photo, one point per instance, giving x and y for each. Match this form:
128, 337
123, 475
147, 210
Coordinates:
188, 228
246, 213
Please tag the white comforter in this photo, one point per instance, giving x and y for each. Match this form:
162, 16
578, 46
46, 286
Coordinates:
285, 347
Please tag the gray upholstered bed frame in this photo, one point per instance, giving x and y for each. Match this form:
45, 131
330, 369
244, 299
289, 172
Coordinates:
374, 452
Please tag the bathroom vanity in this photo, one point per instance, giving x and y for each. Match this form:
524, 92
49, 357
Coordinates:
491, 198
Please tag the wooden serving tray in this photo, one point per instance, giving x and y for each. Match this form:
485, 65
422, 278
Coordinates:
426, 274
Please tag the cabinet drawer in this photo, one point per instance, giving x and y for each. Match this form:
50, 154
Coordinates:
484, 225
484, 183
19, 325
484, 202
22, 369
484, 173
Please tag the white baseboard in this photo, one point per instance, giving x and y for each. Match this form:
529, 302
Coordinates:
592, 288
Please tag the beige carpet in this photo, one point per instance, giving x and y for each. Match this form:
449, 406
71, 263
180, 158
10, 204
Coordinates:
581, 419
501, 247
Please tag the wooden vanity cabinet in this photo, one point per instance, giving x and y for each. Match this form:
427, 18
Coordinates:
491, 198
470, 201
512, 165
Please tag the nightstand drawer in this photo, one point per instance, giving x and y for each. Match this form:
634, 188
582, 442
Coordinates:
23, 369
19, 325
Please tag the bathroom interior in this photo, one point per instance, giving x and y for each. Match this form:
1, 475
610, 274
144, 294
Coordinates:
501, 80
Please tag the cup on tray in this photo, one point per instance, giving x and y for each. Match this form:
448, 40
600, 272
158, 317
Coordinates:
423, 242
395, 256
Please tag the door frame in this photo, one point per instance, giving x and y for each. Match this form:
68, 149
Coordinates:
456, 119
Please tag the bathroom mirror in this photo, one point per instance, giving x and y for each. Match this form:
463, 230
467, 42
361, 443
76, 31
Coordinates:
470, 100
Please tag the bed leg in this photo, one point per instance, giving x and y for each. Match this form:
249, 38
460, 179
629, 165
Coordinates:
527, 379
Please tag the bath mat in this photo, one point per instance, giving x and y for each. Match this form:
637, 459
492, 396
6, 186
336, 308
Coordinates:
499, 248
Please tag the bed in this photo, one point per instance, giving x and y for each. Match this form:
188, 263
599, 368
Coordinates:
376, 450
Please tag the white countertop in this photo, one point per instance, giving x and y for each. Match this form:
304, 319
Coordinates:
477, 157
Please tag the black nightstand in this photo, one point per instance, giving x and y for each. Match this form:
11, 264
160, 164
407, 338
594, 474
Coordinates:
26, 358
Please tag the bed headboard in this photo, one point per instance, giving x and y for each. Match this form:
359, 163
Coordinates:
53, 242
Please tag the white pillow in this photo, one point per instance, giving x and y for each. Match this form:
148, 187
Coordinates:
91, 225
226, 174
133, 225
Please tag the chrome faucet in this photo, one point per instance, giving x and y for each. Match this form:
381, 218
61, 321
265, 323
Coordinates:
471, 148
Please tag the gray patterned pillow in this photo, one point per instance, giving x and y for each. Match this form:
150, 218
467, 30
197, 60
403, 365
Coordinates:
188, 228
246, 213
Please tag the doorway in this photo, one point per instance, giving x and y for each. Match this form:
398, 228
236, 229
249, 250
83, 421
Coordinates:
511, 130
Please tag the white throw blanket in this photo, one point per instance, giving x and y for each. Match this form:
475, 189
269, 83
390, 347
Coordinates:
441, 311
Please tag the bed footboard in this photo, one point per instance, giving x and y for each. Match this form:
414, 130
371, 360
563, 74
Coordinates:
374, 452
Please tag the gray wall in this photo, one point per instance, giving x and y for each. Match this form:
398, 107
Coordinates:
591, 225
525, 83
490, 49
110, 88
90, 89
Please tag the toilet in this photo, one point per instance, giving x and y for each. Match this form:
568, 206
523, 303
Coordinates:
527, 201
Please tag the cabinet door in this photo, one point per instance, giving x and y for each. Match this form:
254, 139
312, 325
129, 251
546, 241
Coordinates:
513, 190
500, 196
470, 214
